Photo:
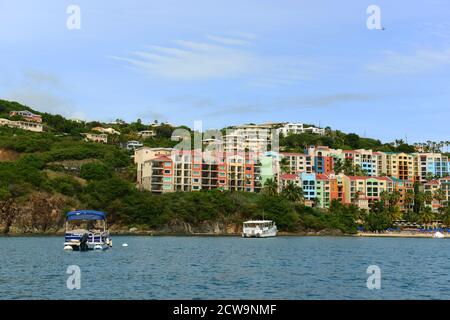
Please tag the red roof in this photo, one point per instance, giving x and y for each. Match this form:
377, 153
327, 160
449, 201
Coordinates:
162, 158
293, 154
367, 177
289, 176
321, 176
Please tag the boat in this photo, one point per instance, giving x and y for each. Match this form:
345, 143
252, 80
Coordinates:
259, 229
86, 230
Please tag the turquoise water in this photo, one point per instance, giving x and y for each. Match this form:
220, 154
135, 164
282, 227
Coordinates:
227, 268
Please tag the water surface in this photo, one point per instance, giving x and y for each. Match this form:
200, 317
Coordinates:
227, 268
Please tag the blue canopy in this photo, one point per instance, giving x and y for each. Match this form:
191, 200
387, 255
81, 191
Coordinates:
86, 215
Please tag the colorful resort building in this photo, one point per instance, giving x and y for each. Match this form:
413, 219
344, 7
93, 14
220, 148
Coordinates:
161, 170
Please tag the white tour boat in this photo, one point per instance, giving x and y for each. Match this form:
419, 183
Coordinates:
259, 229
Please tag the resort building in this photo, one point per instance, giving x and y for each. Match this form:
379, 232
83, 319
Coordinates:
163, 170
24, 125
248, 138
167, 170
368, 188
27, 115
286, 178
396, 164
430, 165
298, 128
296, 163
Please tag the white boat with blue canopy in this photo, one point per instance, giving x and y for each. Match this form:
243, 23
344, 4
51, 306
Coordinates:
86, 230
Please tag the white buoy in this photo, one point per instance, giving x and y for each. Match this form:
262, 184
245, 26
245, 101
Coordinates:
98, 247
124, 244
68, 248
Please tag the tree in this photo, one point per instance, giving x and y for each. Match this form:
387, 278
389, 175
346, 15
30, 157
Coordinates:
409, 199
270, 187
284, 165
338, 166
95, 171
440, 196
293, 192
352, 139
426, 216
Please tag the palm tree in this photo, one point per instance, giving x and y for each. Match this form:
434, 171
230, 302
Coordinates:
440, 196
356, 196
316, 202
426, 216
338, 166
409, 199
394, 199
284, 165
446, 218
384, 197
429, 176
293, 192
270, 187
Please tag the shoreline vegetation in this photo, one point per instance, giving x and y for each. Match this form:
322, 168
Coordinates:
43, 175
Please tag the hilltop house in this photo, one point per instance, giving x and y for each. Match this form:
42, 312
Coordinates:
27, 115
106, 130
24, 125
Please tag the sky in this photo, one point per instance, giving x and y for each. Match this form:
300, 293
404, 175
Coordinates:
227, 62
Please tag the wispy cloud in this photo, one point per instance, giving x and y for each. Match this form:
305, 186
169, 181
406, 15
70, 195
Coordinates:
421, 60
228, 41
217, 57
330, 99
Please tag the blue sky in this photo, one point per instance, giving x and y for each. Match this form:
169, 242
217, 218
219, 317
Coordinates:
232, 62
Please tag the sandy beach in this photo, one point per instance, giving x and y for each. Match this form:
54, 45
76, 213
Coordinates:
404, 234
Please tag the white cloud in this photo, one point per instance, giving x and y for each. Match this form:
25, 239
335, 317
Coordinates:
228, 41
422, 60
217, 58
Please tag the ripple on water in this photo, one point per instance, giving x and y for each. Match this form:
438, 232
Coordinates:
227, 268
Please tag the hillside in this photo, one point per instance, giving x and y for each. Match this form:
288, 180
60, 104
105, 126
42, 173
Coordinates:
43, 175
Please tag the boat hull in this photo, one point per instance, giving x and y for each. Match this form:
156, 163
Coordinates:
89, 246
264, 234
